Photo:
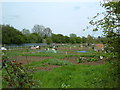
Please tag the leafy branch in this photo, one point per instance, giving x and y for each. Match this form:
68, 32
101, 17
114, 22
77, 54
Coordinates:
16, 75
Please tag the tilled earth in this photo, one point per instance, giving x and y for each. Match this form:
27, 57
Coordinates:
29, 59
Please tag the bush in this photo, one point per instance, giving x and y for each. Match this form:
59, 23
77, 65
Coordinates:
88, 59
79, 60
16, 76
93, 59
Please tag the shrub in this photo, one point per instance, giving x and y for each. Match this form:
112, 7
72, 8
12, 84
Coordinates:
16, 76
93, 59
88, 59
79, 60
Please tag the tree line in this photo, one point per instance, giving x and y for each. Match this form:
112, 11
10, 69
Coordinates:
40, 34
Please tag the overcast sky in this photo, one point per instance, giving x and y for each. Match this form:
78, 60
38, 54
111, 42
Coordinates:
62, 17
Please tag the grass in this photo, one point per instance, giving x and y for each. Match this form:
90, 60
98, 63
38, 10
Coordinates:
78, 76
69, 75
57, 62
49, 62
0, 79
42, 54
60, 55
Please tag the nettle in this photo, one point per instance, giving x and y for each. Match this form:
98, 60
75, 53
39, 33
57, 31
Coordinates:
17, 76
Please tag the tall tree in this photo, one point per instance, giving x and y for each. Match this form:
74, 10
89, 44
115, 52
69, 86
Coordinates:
90, 39
34, 37
38, 29
47, 32
26, 31
10, 35
73, 35
73, 40
48, 40
58, 38
83, 39
67, 39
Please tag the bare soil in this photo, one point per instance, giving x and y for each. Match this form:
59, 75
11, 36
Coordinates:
29, 59
47, 68
71, 59
74, 61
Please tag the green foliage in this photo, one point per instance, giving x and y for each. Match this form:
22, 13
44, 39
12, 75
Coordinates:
79, 60
83, 76
58, 38
40, 34
90, 39
35, 38
26, 31
16, 76
94, 59
88, 60
110, 25
84, 40
91, 59
73, 35
11, 35
48, 41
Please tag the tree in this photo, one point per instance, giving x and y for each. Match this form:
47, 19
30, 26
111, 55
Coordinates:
110, 24
39, 29
73, 35
48, 40
58, 38
67, 39
73, 40
10, 35
47, 32
83, 39
26, 31
78, 39
90, 39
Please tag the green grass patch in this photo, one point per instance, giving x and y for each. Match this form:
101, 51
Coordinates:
77, 76
49, 62
55, 55
58, 62
0, 79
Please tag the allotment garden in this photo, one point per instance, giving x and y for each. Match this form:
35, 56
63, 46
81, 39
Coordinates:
60, 66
